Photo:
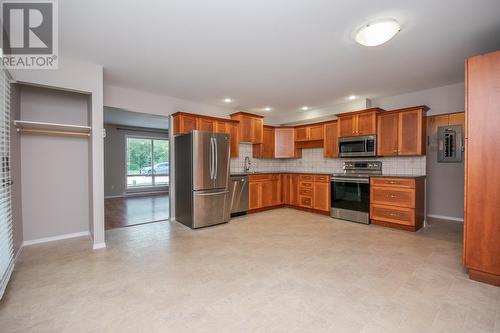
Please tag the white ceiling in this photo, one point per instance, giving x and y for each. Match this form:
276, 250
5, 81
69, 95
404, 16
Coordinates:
281, 53
121, 117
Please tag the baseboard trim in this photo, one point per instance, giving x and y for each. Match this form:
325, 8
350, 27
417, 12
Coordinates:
98, 246
136, 194
442, 217
56, 238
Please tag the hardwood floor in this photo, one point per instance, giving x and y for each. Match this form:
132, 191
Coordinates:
127, 211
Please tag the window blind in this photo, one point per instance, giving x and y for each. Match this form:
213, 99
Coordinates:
6, 241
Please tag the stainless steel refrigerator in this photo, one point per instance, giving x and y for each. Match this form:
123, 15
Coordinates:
201, 179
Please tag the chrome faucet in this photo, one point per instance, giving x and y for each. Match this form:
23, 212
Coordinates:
246, 167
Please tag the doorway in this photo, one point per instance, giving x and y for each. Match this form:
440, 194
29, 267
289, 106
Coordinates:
136, 168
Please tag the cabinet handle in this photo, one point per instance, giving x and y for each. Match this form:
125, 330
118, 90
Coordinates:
391, 182
393, 214
390, 196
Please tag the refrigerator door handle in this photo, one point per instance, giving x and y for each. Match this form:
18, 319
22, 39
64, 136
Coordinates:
212, 158
216, 162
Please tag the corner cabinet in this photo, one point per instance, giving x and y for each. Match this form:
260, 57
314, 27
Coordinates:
266, 149
402, 132
250, 127
358, 123
186, 122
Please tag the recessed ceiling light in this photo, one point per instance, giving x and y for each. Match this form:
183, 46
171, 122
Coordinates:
377, 32
352, 97
305, 108
227, 100
267, 108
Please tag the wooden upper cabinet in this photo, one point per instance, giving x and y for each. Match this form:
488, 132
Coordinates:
250, 128
184, 123
402, 132
232, 130
301, 133
205, 124
411, 128
346, 126
312, 132
284, 146
387, 134
221, 126
331, 145
358, 123
266, 148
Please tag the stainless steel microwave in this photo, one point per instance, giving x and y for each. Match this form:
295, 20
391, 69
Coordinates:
358, 146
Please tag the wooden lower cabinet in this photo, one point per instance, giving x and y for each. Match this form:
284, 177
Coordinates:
397, 202
311, 192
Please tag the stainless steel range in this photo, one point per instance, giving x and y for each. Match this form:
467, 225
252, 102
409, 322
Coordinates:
350, 191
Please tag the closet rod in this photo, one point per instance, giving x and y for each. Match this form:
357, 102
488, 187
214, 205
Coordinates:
52, 132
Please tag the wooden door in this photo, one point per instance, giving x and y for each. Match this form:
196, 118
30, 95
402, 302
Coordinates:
276, 191
184, 123
267, 193
257, 130
366, 123
482, 158
254, 195
316, 132
301, 133
284, 143
232, 129
321, 196
268, 142
387, 134
294, 189
410, 136
331, 144
221, 126
205, 124
346, 126
285, 189
245, 129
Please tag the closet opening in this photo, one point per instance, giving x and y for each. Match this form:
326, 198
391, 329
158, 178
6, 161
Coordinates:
136, 168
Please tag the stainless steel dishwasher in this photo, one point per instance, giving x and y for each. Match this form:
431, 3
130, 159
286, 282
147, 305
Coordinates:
238, 192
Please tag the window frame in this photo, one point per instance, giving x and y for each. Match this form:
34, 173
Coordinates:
153, 175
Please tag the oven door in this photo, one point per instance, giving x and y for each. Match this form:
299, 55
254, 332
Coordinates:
350, 199
362, 146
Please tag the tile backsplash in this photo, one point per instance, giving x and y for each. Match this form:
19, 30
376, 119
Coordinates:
313, 161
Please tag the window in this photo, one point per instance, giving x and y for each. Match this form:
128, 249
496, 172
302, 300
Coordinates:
147, 162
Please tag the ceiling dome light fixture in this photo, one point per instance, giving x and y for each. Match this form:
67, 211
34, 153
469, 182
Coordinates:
377, 32
352, 97
305, 108
267, 108
227, 100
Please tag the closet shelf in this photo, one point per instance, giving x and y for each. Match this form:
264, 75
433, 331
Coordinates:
41, 128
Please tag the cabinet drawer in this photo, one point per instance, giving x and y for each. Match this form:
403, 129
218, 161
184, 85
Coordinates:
306, 191
393, 182
305, 201
305, 184
393, 196
306, 177
390, 214
322, 179
263, 177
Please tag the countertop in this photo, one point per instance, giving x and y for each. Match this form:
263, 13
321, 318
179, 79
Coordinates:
317, 173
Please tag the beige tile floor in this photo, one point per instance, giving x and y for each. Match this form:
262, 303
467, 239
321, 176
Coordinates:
277, 271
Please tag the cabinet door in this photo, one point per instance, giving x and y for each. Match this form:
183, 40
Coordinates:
366, 123
207, 125
254, 195
331, 144
276, 192
268, 142
284, 143
410, 140
267, 193
301, 133
321, 196
184, 124
257, 130
346, 126
245, 129
387, 134
316, 132
232, 129
285, 189
294, 189
221, 126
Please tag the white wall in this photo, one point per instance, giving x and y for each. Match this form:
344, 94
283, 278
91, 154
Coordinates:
440, 100
86, 78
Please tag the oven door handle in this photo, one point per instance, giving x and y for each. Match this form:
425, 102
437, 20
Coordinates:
350, 180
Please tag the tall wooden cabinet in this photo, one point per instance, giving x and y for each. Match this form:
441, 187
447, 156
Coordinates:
331, 145
250, 128
482, 160
401, 132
